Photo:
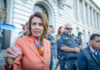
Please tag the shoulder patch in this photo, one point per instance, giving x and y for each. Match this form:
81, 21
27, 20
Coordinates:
74, 37
59, 37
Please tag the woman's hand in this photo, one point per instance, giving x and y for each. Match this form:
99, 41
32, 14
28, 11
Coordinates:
11, 54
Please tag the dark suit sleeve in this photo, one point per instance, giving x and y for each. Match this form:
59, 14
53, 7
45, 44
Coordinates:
82, 64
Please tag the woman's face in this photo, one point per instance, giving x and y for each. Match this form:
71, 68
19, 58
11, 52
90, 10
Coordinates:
62, 30
37, 28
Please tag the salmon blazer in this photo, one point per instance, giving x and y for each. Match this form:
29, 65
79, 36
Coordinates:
30, 59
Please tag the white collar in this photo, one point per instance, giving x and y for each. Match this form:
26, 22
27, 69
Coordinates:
94, 51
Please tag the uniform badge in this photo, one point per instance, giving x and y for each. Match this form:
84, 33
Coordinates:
74, 37
66, 37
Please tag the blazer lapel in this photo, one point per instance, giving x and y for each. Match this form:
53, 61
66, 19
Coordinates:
91, 53
94, 58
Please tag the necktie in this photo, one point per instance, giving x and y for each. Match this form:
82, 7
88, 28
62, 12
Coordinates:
96, 53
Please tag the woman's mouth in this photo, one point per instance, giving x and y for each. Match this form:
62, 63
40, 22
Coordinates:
36, 32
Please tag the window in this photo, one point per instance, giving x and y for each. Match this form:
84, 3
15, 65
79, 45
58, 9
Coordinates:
42, 9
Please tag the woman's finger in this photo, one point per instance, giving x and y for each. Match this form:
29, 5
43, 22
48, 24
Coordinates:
6, 55
16, 50
12, 52
9, 53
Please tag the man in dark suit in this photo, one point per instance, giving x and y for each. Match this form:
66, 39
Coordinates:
89, 58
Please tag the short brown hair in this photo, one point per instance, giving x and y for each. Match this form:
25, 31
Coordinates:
44, 22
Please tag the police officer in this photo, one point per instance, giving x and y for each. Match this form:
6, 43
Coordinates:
68, 48
79, 40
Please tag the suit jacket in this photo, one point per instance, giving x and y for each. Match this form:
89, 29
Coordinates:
87, 60
30, 59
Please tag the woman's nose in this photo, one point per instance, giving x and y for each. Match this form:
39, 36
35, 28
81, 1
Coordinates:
37, 26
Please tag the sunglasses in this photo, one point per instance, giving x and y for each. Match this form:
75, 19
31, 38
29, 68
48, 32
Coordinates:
68, 28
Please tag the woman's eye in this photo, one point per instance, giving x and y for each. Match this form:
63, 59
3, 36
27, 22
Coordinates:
41, 24
34, 24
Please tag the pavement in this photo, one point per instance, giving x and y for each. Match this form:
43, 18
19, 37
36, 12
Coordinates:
2, 61
54, 64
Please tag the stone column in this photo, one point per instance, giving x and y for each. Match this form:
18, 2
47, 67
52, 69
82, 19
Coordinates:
92, 17
83, 11
99, 21
95, 19
88, 13
78, 9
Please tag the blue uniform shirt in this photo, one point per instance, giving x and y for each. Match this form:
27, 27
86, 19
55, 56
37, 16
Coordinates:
67, 40
79, 41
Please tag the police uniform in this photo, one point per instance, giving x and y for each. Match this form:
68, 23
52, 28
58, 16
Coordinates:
79, 41
68, 59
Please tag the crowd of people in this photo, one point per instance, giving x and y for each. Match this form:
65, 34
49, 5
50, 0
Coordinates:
37, 48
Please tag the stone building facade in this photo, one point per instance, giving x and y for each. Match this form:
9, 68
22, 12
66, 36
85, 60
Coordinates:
84, 15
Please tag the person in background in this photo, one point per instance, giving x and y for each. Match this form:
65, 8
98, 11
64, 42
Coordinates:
68, 49
34, 47
25, 30
79, 40
89, 57
51, 38
60, 31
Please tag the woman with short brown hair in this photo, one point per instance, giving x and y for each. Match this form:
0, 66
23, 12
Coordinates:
44, 22
35, 48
